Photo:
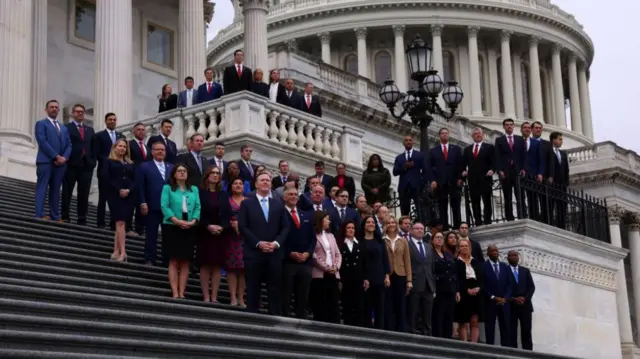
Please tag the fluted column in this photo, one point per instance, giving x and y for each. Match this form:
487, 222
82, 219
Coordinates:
536, 108
400, 59
255, 33
39, 66
113, 84
494, 92
507, 74
622, 297
517, 85
558, 90
574, 95
16, 28
325, 42
585, 102
192, 59
436, 39
361, 35
634, 249
474, 71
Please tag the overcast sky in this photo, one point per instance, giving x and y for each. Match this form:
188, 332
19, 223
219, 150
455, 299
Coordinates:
607, 23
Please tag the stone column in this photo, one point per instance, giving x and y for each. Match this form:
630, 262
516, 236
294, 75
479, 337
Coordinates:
437, 64
363, 59
400, 59
492, 63
39, 66
517, 86
255, 33
622, 298
325, 42
560, 119
536, 108
113, 77
585, 102
192, 58
16, 17
634, 253
474, 71
507, 75
574, 95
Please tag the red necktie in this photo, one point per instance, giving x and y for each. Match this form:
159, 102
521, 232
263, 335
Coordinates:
445, 152
239, 71
475, 151
209, 87
295, 218
510, 139
142, 149
81, 131
308, 101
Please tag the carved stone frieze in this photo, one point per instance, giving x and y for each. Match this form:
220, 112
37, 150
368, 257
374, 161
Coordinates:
615, 214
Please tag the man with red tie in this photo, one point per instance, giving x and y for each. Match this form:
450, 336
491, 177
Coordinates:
310, 102
478, 166
511, 151
139, 153
443, 172
209, 90
237, 77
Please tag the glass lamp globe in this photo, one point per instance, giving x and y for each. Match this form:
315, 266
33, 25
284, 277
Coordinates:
432, 84
389, 93
452, 94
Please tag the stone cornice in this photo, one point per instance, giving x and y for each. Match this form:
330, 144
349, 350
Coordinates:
606, 176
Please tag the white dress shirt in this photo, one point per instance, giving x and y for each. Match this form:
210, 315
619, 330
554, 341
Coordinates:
273, 91
408, 154
479, 144
444, 145
349, 242
527, 142
185, 208
468, 269
260, 198
393, 242
326, 245
189, 95
161, 169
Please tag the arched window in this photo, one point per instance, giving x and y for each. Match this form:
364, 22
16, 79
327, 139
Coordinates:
500, 91
351, 64
526, 101
448, 67
382, 65
482, 96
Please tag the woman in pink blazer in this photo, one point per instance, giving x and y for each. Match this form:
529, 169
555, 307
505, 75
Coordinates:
327, 259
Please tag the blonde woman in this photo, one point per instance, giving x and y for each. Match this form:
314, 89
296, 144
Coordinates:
470, 281
118, 173
401, 281
258, 85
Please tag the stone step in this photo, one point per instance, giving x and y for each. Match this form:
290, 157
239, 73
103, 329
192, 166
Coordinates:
36, 354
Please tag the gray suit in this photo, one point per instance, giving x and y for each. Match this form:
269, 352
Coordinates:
424, 287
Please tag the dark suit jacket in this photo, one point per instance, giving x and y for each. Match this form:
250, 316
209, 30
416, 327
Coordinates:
233, 83
277, 182
326, 182
497, 286
206, 206
510, 159
534, 161
212, 162
444, 172
461, 271
77, 145
254, 228
301, 239
476, 250
204, 96
306, 204
477, 167
182, 98
171, 150
313, 108
150, 183
102, 146
245, 174
546, 152
349, 185
350, 214
294, 100
281, 97
195, 176
260, 88
560, 170
136, 152
171, 103
422, 270
523, 287
414, 176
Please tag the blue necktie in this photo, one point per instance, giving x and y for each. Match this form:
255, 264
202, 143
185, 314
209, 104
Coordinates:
496, 269
515, 273
265, 209
421, 247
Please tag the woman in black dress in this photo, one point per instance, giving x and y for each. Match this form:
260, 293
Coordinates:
351, 275
376, 272
470, 283
446, 289
213, 240
118, 171
376, 181
258, 86
167, 100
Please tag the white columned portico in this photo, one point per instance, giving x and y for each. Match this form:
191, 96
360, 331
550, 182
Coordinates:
474, 71
192, 59
361, 36
16, 19
634, 249
113, 82
39, 67
622, 297
255, 33
585, 102
436, 43
558, 90
401, 65
325, 42
507, 74
574, 95
535, 89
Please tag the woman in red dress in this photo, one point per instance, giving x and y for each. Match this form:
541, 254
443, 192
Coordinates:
234, 255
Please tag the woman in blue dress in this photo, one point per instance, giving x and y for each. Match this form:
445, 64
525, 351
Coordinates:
118, 172
233, 172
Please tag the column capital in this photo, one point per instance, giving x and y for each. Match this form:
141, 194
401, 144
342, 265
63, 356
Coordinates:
473, 31
325, 37
634, 222
505, 35
361, 33
398, 30
615, 213
573, 58
534, 40
291, 44
254, 4
436, 29
556, 49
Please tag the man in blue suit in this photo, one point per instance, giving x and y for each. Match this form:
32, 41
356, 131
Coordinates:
247, 169
209, 90
171, 150
218, 160
342, 213
522, 289
54, 149
264, 225
188, 97
510, 154
534, 167
151, 176
410, 165
497, 291
443, 173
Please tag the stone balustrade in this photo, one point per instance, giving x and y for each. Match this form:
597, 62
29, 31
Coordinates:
601, 156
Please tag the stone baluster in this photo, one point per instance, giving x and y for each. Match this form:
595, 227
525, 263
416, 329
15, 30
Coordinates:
273, 126
148, 132
191, 127
127, 134
326, 143
202, 124
310, 142
222, 125
213, 124
335, 149
282, 128
292, 137
317, 137
302, 139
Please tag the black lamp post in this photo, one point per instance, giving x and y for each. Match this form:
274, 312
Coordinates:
421, 104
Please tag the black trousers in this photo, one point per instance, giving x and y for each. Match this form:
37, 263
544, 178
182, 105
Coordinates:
449, 195
560, 208
103, 190
522, 314
82, 176
352, 297
420, 309
442, 316
325, 296
407, 195
395, 304
509, 186
481, 191
493, 311
296, 280
264, 268
374, 304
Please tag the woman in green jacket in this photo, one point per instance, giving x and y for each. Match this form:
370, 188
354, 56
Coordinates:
180, 203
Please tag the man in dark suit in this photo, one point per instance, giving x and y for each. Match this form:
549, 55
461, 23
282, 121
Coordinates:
281, 179
534, 165
151, 176
411, 166
102, 142
325, 179
188, 96
171, 150
497, 290
310, 102
423, 280
277, 91
478, 165
139, 153
237, 77
443, 173
209, 90
559, 178
264, 226
476, 249
80, 166
546, 151
315, 200
294, 99
298, 255
342, 213
196, 164
522, 289
247, 169
510, 156
342, 181
54, 149
218, 159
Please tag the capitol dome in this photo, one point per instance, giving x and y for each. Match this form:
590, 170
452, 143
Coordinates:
531, 47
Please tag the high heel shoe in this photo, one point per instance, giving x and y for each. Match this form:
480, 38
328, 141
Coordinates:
115, 256
122, 258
